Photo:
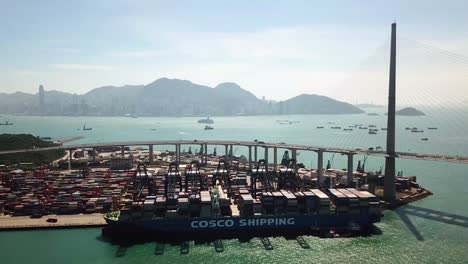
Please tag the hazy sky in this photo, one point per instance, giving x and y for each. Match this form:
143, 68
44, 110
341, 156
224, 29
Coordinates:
276, 49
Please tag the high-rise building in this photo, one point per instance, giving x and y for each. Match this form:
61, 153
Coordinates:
41, 100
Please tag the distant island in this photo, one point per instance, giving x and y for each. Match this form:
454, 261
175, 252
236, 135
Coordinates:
409, 111
27, 141
166, 97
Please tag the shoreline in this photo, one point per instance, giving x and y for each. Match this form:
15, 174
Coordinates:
16, 223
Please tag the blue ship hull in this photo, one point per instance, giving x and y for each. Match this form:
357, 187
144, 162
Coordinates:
236, 227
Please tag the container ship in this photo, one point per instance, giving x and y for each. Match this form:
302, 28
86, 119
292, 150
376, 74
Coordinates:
190, 203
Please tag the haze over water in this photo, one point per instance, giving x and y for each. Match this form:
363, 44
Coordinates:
405, 237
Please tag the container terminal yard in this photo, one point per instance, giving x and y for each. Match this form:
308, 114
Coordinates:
105, 181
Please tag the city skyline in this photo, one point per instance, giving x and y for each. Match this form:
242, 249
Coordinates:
276, 50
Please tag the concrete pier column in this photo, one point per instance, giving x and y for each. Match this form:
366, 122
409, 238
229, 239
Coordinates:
320, 168
231, 152
265, 156
275, 158
70, 157
389, 178
294, 154
151, 154
350, 170
255, 154
94, 155
122, 151
250, 157
177, 148
294, 157
206, 154
226, 153
202, 153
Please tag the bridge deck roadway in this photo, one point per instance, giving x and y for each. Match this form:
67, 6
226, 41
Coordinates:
402, 155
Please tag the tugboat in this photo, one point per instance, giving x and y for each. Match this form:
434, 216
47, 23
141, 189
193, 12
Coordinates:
6, 123
206, 121
209, 128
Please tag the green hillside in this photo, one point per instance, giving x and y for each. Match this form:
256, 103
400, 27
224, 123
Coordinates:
27, 141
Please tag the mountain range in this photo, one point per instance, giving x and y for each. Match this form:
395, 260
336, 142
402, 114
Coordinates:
167, 97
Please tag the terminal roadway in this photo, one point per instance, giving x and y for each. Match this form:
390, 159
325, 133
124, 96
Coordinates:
253, 144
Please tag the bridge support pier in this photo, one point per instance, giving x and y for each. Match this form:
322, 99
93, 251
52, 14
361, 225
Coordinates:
294, 157
151, 154
177, 148
349, 171
70, 157
202, 153
122, 151
250, 157
231, 152
294, 154
226, 153
275, 159
206, 155
255, 154
320, 168
94, 155
389, 178
266, 155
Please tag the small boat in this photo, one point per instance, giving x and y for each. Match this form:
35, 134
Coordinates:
209, 128
153, 129
372, 125
131, 115
347, 129
320, 127
206, 121
87, 128
432, 128
372, 114
424, 139
383, 128
371, 132
335, 127
6, 123
362, 127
